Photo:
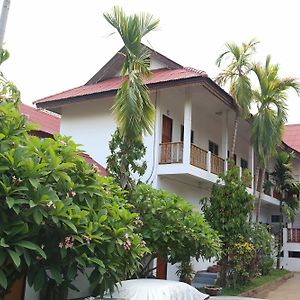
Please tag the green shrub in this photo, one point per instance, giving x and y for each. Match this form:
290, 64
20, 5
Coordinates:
171, 227
58, 216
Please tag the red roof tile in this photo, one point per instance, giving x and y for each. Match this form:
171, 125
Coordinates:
291, 136
113, 84
46, 122
91, 161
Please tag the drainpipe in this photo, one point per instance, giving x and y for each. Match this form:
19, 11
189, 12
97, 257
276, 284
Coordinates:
3, 20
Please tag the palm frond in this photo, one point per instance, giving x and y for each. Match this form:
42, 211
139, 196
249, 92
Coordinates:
133, 108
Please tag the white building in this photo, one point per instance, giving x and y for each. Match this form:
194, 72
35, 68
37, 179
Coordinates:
192, 133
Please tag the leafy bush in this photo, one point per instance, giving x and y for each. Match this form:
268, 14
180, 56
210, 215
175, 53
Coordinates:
227, 211
241, 255
58, 216
264, 245
246, 247
170, 226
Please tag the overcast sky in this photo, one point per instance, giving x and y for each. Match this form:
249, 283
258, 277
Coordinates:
59, 44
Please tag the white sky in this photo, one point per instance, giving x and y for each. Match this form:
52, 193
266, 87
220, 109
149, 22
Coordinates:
59, 44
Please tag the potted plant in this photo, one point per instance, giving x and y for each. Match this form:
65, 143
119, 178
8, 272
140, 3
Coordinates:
185, 271
213, 290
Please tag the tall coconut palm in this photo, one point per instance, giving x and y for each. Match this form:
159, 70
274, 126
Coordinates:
133, 108
288, 191
268, 122
236, 74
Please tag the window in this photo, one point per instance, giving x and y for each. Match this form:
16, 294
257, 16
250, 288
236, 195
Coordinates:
244, 163
294, 254
275, 218
213, 148
182, 134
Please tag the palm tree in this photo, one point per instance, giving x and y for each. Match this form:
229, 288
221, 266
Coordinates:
268, 122
237, 75
133, 108
286, 188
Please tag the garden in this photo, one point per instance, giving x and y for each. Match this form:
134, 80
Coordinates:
60, 218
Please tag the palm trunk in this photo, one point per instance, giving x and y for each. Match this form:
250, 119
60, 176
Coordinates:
261, 183
255, 183
235, 129
279, 246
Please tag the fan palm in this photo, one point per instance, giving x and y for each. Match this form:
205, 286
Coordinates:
237, 75
133, 108
286, 188
268, 122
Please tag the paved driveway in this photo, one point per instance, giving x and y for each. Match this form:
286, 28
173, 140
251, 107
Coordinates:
288, 290
232, 298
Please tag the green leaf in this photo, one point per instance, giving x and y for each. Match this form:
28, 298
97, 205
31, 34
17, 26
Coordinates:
2, 257
32, 204
31, 246
34, 182
3, 244
98, 262
37, 216
27, 257
71, 225
2, 136
56, 274
15, 257
10, 202
39, 279
3, 280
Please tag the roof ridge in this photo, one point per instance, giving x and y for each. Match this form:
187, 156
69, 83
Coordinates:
296, 124
197, 71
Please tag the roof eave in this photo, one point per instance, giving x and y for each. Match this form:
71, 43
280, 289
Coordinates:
205, 81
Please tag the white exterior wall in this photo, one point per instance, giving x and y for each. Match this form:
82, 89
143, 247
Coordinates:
90, 124
290, 263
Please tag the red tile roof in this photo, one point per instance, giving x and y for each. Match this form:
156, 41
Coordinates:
50, 123
46, 122
91, 161
113, 84
291, 136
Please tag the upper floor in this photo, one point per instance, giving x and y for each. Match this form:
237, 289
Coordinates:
193, 127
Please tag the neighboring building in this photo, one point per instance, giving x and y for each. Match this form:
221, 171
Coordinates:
192, 132
291, 234
47, 124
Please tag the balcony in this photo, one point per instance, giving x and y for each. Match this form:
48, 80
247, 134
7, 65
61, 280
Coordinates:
172, 153
293, 235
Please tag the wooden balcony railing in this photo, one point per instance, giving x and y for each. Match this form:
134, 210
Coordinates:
171, 153
217, 164
293, 235
198, 157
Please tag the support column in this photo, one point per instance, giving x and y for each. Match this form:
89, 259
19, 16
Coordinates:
251, 165
225, 138
187, 128
157, 133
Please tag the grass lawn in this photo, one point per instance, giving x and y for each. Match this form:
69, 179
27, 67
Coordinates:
254, 283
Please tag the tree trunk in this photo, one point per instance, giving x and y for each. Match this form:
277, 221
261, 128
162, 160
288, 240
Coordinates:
260, 187
235, 128
224, 271
161, 270
255, 182
279, 246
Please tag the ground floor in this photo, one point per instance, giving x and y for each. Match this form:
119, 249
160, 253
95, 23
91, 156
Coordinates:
193, 189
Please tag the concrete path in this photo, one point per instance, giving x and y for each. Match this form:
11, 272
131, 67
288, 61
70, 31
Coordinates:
232, 298
288, 290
